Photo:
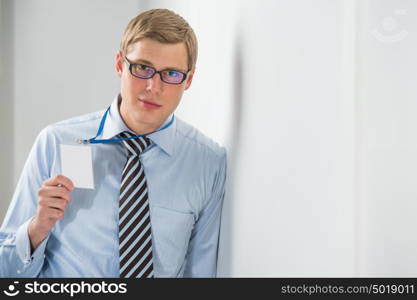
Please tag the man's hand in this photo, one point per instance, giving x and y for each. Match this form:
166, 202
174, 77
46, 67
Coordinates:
53, 198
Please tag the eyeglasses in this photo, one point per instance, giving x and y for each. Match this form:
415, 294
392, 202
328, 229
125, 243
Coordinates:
146, 72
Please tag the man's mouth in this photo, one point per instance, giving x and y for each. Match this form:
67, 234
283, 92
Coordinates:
149, 103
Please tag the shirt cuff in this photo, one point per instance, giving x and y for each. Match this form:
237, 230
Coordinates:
23, 247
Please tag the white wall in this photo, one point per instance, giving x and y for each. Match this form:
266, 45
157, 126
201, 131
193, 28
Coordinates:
315, 107
388, 145
292, 212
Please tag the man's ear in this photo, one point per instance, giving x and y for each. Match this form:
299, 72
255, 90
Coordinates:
189, 79
119, 62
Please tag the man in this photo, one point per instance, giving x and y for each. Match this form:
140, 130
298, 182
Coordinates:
159, 183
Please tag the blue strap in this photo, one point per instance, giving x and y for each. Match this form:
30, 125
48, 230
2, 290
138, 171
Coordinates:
94, 140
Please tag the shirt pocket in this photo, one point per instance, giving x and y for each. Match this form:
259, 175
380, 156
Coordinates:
171, 231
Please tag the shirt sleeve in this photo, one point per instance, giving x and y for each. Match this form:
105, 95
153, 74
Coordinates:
203, 247
16, 259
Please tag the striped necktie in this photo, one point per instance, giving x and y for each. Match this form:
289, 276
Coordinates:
135, 236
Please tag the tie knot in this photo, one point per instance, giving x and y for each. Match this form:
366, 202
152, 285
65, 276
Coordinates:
135, 146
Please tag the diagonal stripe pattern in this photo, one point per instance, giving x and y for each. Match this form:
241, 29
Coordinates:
135, 235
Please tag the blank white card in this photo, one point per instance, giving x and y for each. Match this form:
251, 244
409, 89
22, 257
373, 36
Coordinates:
77, 165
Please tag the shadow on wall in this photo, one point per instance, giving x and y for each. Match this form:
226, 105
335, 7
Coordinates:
225, 264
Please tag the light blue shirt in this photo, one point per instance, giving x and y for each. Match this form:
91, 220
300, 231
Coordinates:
185, 173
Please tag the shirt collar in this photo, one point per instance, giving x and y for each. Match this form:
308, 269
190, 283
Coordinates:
114, 125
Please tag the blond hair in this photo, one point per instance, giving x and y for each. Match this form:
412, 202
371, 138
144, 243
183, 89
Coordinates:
164, 26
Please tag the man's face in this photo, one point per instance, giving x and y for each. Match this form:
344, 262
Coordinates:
138, 94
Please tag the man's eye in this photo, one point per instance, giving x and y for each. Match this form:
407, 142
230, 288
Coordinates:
142, 67
144, 70
173, 73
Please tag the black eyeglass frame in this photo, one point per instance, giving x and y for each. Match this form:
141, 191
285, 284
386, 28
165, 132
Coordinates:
131, 65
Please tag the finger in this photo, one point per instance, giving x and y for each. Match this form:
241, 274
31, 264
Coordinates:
54, 192
57, 203
60, 180
54, 213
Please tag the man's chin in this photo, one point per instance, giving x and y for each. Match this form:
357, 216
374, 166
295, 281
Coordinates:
146, 121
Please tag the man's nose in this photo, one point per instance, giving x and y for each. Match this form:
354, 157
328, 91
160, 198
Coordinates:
155, 83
